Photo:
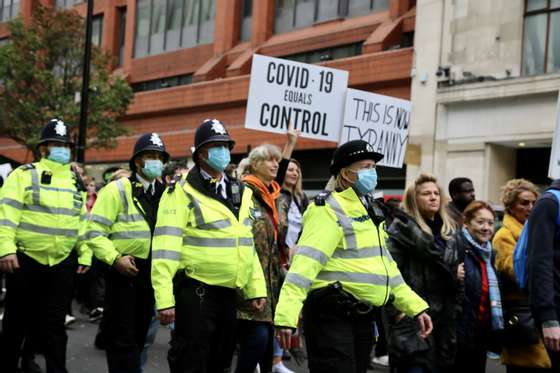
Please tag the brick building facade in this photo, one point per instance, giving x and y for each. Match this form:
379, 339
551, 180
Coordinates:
183, 75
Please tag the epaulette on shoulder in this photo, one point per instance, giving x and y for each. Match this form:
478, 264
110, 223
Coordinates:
173, 183
321, 198
27, 166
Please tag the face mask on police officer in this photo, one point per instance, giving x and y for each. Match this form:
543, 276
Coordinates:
218, 158
366, 180
152, 168
59, 154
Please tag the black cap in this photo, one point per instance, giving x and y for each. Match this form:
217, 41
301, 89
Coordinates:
210, 130
148, 142
350, 152
55, 130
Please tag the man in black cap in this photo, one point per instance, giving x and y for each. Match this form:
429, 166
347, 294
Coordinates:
39, 227
204, 235
120, 233
342, 271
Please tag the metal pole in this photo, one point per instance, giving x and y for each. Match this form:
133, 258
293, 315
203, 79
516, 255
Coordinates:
81, 146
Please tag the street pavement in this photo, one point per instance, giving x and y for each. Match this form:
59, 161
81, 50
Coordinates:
82, 356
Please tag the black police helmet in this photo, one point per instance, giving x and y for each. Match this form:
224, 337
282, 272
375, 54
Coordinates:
148, 142
210, 130
350, 152
55, 130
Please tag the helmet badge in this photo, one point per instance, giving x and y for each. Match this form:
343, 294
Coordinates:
60, 128
156, 140
218, 128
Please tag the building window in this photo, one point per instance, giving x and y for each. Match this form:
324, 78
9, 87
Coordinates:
246, 14
327, 54
67, 3
166, 25
122, 33
4, 41
97, 30
172, 81
9, 9
293, 14
541, 40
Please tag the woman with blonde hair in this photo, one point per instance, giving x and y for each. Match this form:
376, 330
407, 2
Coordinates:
518, 197
423, 243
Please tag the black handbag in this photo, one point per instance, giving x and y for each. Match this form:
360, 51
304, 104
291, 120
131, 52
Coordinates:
520, 328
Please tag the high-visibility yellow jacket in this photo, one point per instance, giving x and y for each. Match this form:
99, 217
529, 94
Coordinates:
204, 238
117, 226
339, 242
40, 219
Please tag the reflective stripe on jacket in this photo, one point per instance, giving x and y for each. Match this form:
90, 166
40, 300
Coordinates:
202, 236
117, 226
42, 219
339, 242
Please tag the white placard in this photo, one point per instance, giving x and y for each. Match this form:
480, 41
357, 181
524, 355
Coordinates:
310, 97
5, 170
380, 120
554, 164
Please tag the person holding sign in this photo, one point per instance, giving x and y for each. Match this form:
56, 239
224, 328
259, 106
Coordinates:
342, 271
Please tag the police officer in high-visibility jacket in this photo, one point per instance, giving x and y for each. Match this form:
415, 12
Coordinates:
342, 271
120, 234
40, 214
204, 229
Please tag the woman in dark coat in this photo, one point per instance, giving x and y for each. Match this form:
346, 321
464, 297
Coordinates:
421, 241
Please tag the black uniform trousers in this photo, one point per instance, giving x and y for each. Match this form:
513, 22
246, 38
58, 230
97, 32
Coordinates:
205, 318
335, 343
36, 304
129, 307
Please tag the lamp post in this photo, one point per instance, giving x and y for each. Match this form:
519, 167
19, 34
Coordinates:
81, 146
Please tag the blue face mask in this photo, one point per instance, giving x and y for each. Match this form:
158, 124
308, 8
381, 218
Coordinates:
59, 154
367, 180
218, 158
152, 168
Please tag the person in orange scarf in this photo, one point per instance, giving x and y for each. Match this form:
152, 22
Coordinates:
255, 333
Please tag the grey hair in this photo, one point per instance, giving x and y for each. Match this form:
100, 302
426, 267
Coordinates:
263, 153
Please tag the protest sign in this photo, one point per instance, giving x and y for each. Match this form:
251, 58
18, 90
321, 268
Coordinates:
380, 120
308, 96
554, 164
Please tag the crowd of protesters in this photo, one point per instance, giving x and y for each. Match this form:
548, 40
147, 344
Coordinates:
236, 259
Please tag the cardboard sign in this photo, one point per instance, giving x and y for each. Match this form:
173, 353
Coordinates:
554, 164
308, 96
380, 120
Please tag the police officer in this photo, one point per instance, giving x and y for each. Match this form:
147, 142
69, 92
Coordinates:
204, 228
342, 271
40, 214
120, 232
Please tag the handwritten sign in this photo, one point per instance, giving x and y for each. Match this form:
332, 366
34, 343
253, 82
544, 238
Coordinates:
308, 96
380, 120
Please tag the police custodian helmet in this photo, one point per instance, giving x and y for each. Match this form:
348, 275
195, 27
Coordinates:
55, 130
210, 130
148, 142
350, 152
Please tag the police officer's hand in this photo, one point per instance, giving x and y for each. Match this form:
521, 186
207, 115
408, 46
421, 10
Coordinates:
284, 336
9, 263
166, 316
258, 304
552, 338
82, 269
126, 266
425, 323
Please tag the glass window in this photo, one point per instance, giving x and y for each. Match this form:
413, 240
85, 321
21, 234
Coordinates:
190, 24
173, 28
5, 6
15, 8
141, 45
246, 14
284, 15
358, 8
4, 41
305, 13
553, 56
97, 30
157, 27
541, 39
328, 9
122, 33
207, 15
